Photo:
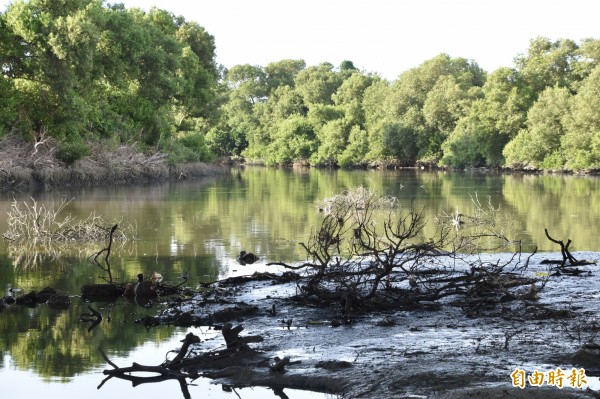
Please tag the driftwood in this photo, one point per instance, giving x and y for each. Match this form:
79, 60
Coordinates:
189, 339
275, 278
566, 257
179, 318
183, 367
49, 296
234, 341
167, 371
278, 366
101, 292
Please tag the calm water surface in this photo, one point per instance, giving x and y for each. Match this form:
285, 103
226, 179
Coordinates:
198, 227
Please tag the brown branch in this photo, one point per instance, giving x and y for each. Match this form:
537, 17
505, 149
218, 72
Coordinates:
107, 249
94, 317
562, 247
278, 366
564, 250
165, 374
190, 338
106, 359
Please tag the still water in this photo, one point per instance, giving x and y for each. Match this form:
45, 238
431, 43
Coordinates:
197, 228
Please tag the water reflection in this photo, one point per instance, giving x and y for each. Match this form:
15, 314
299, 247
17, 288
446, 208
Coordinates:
268, 211
57, 343
198, 228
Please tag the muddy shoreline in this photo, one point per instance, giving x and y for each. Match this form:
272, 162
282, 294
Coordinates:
419, 353
25, 168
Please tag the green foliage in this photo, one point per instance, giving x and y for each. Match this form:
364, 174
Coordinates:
588, 57
71, 150
348, 65
88, 69
349, 97
581, 142
35, 104
318, 84
333, 137
480, 136
222, 141
292, 140
538, 146
319, 115
81, 68
283, 103
189, 147
7, 105
471, 141
356, 151
374, 103
283, 73
548, 63
447, 102
248, 81
400, 143
431, 98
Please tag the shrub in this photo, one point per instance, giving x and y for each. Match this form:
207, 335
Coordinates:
189, 147
71, 151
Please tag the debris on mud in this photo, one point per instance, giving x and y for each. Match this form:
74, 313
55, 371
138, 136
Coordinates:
49, 296
238, 363
568, 264
410, 316
431, 352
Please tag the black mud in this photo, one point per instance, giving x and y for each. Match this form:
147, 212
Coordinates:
429, 352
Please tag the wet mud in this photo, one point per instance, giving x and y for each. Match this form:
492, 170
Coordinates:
427, 352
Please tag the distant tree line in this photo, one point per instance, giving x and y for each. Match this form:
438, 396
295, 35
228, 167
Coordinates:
84, 70
542, 114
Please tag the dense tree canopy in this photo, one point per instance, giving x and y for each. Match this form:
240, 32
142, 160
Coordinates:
82, 70
85, 70
541, 114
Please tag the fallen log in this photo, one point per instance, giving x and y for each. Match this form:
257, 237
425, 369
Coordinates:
189, 340
234, 341
278, 366
101, 292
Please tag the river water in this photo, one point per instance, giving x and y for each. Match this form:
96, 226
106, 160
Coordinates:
197, 228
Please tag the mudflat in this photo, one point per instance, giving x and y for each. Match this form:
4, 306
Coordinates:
424, 352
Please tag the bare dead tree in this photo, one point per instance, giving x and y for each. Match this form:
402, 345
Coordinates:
36, 231
41, 138
107, 250
367, 247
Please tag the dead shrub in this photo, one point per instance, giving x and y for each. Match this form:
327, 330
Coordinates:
35, 230
369, 251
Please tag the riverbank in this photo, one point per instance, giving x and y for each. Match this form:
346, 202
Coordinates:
428, 352
25, 166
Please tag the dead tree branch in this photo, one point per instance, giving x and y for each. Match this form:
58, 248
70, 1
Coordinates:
184, 367
369, 251
566, 254
107, 249
94, 317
